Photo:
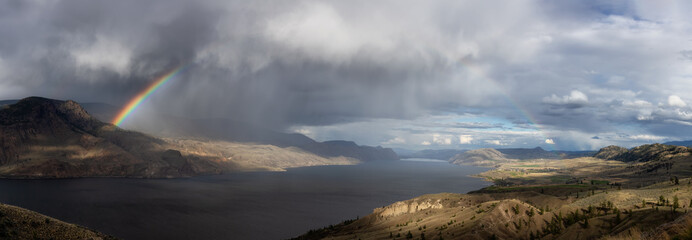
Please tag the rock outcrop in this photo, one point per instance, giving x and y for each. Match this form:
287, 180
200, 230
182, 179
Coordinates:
610, 152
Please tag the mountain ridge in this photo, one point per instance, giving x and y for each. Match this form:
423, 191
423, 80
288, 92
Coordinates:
46, 138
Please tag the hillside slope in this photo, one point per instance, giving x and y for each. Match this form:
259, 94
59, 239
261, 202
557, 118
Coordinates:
19, 223
480, 157
647, 197
45, 138
41, 137
223, 129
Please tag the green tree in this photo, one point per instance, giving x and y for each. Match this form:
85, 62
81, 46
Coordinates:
409, 235
676, 203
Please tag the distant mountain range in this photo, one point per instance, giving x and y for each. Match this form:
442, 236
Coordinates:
502, 154
491, 157
42, 137
237, 131
643, 153
686, 143
441, 154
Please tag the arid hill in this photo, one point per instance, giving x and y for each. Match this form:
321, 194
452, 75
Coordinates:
41, 137
45, 138
649, 196
480, 157
610, 152
221, 129
643, 153
19, 223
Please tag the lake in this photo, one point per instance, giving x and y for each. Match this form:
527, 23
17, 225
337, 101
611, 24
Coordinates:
256, 205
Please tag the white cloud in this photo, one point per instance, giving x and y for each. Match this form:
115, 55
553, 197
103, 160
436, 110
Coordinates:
675, 101
104, 53
425, 143
574, 99
442, 140
396, 140
549, 141
465, 139
646, 137
305, 131
495, 142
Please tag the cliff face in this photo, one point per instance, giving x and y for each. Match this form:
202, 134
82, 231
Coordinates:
41, 137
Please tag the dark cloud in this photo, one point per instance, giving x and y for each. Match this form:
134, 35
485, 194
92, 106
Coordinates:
570, 68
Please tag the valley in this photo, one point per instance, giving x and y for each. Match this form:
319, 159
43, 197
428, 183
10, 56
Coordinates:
640, 193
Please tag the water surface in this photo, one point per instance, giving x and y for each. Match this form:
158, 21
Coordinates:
260, 205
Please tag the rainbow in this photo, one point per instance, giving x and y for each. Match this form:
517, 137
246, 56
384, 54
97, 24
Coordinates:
137, 100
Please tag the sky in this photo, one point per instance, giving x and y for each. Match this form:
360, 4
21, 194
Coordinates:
568, 75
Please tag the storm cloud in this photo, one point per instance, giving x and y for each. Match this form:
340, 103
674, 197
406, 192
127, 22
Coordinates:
452, 73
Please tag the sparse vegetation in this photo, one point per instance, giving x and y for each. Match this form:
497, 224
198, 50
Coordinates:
539, 201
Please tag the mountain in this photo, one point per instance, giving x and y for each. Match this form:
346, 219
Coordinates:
8, 102
538, 152
350, 149
19, 223
686, 143
643, 153
41, 137
527, 153
45, 138
610, 152
441, 154
237, 131
491, 157
480, 157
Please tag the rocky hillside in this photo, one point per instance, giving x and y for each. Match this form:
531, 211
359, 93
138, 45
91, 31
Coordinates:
45, 138
610, 152
350, 149
643, 153
254, 157
41, 137
480, 157
222, 129
577, 211
647, 197
19, 223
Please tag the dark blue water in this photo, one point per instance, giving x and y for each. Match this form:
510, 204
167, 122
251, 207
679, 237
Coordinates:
262, 205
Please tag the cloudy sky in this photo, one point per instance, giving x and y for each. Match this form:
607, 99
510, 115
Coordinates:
405, 74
